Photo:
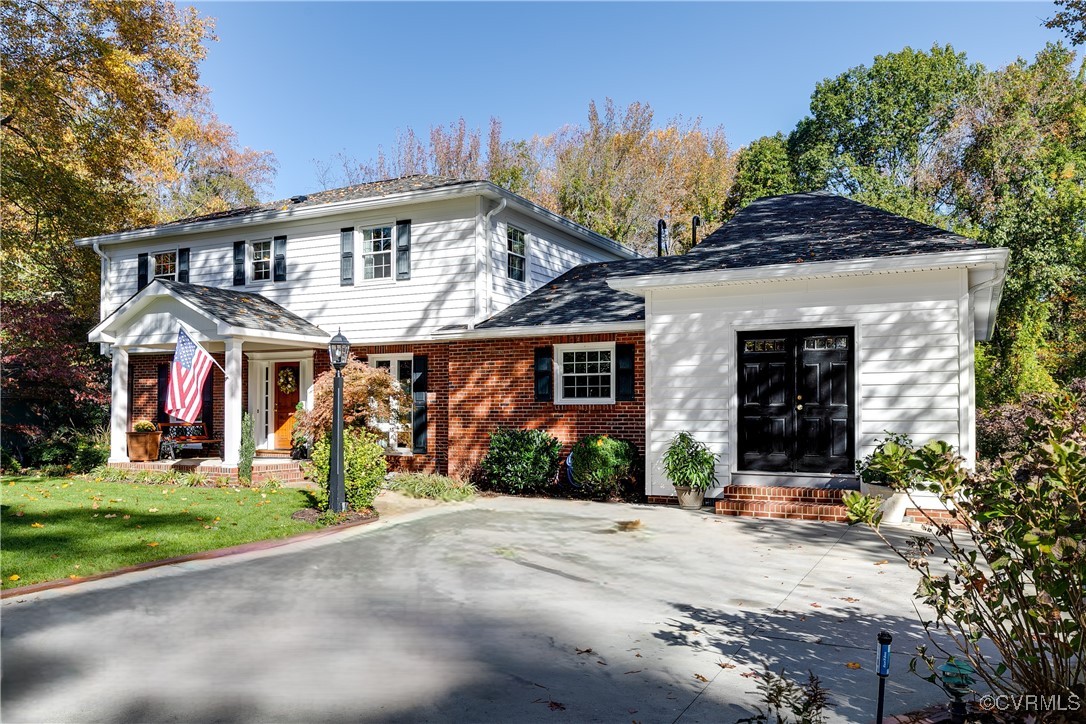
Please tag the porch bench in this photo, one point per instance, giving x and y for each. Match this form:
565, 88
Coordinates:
187, 435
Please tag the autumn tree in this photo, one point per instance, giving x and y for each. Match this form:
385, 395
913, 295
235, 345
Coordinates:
195, 167
85, 84
1071, 19
1017, 168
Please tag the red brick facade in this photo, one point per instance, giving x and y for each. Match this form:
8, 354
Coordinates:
474, 387
492, 385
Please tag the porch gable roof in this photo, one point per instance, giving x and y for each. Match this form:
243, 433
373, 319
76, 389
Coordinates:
232, 313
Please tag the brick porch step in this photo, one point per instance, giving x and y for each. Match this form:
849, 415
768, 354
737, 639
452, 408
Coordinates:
778, 502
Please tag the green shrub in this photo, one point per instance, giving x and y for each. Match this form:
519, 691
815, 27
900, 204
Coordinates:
689, 463
521, 461
144, 426
601, 463
364, 468
9, 463
888, 463
248, 450
69, 450
1014, 569
435, 487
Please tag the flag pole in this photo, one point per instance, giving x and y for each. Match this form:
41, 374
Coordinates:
189, 332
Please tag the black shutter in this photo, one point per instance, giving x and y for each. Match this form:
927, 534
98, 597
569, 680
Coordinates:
239, 263
419, 374
346, 257
544, 380
624, 372
280, 251
163, 387
403, 249
183, 265
207, 412
141, 273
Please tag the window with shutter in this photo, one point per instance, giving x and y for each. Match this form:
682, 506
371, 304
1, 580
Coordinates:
584, 373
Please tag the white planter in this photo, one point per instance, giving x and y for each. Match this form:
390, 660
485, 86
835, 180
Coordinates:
895, 504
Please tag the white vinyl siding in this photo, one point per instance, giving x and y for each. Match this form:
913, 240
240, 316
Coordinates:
440, 292
549, 253
907, 354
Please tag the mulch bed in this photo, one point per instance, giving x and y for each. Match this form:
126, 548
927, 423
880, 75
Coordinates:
312, 515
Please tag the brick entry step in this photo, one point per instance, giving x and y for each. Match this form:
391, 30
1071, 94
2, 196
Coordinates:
773, 502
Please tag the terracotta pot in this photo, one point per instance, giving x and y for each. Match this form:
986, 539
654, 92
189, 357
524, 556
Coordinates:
143, 446
690, 498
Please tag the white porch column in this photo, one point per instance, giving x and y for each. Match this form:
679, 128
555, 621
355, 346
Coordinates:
231, 453
118, 407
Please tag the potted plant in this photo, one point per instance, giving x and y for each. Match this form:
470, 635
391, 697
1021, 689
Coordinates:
691, 467
144, 441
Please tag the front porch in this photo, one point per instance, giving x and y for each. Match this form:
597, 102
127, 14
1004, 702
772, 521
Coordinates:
265, 469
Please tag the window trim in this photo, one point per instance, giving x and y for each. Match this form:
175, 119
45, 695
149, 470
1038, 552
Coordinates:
360, 256
509, 253
559, 395
250, 260
152, 262
393, 360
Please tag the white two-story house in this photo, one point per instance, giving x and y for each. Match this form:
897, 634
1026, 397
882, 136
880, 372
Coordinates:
390, 264
789, 340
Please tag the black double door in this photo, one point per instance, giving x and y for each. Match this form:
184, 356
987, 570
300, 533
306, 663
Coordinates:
795, 400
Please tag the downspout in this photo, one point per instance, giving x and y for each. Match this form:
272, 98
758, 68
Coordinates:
101, 288
483, 314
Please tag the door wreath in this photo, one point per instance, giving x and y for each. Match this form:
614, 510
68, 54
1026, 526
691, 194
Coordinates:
288, 382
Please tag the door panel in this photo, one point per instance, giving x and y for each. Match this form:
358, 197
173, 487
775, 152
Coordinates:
286, 404
795, 392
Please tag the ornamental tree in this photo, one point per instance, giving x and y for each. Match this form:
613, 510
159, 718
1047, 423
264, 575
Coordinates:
372, 400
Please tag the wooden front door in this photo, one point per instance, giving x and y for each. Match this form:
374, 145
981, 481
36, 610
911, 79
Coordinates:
795, 400
286, 402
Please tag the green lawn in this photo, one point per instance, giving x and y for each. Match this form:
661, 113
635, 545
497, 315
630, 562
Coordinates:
63, 527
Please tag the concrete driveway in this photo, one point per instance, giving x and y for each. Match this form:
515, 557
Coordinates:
503, 610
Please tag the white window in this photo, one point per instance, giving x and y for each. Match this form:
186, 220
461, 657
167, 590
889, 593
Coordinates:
377, 252
399, 430
166, 265
516, 265
262, 260
584, 373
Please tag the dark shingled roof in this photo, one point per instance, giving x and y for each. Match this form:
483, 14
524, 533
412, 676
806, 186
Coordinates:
374, 189
241, 309
792, 229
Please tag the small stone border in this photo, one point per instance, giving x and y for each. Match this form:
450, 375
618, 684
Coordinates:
259, 545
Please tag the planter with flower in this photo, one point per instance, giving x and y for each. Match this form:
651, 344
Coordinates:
144, 441
691, 467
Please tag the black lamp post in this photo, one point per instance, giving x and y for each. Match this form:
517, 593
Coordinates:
339, 349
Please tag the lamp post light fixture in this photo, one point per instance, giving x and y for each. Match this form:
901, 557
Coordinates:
339, 349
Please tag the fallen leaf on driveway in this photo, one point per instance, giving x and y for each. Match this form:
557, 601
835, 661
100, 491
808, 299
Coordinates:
725, 665
635, 671
816, 605
551, 704
583, 651
849, 599
881, 563
701, 678
853, 665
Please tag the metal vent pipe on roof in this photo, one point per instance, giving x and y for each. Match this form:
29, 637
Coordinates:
661, 234
298, 199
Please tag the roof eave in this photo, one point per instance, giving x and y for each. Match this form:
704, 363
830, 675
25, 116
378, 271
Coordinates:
640, 284
543, 330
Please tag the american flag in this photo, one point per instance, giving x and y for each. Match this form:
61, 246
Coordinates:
191, 363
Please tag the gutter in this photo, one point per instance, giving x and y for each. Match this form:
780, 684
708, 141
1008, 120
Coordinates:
483, 314
856, 267
549, 330
475, 188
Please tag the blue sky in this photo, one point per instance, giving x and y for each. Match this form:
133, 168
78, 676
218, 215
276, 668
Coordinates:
308, 80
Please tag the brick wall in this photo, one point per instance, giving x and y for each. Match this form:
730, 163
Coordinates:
436, 460
492, 384
143, 387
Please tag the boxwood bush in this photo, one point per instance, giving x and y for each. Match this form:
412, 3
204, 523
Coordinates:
364, 468
601, 463
520, 461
